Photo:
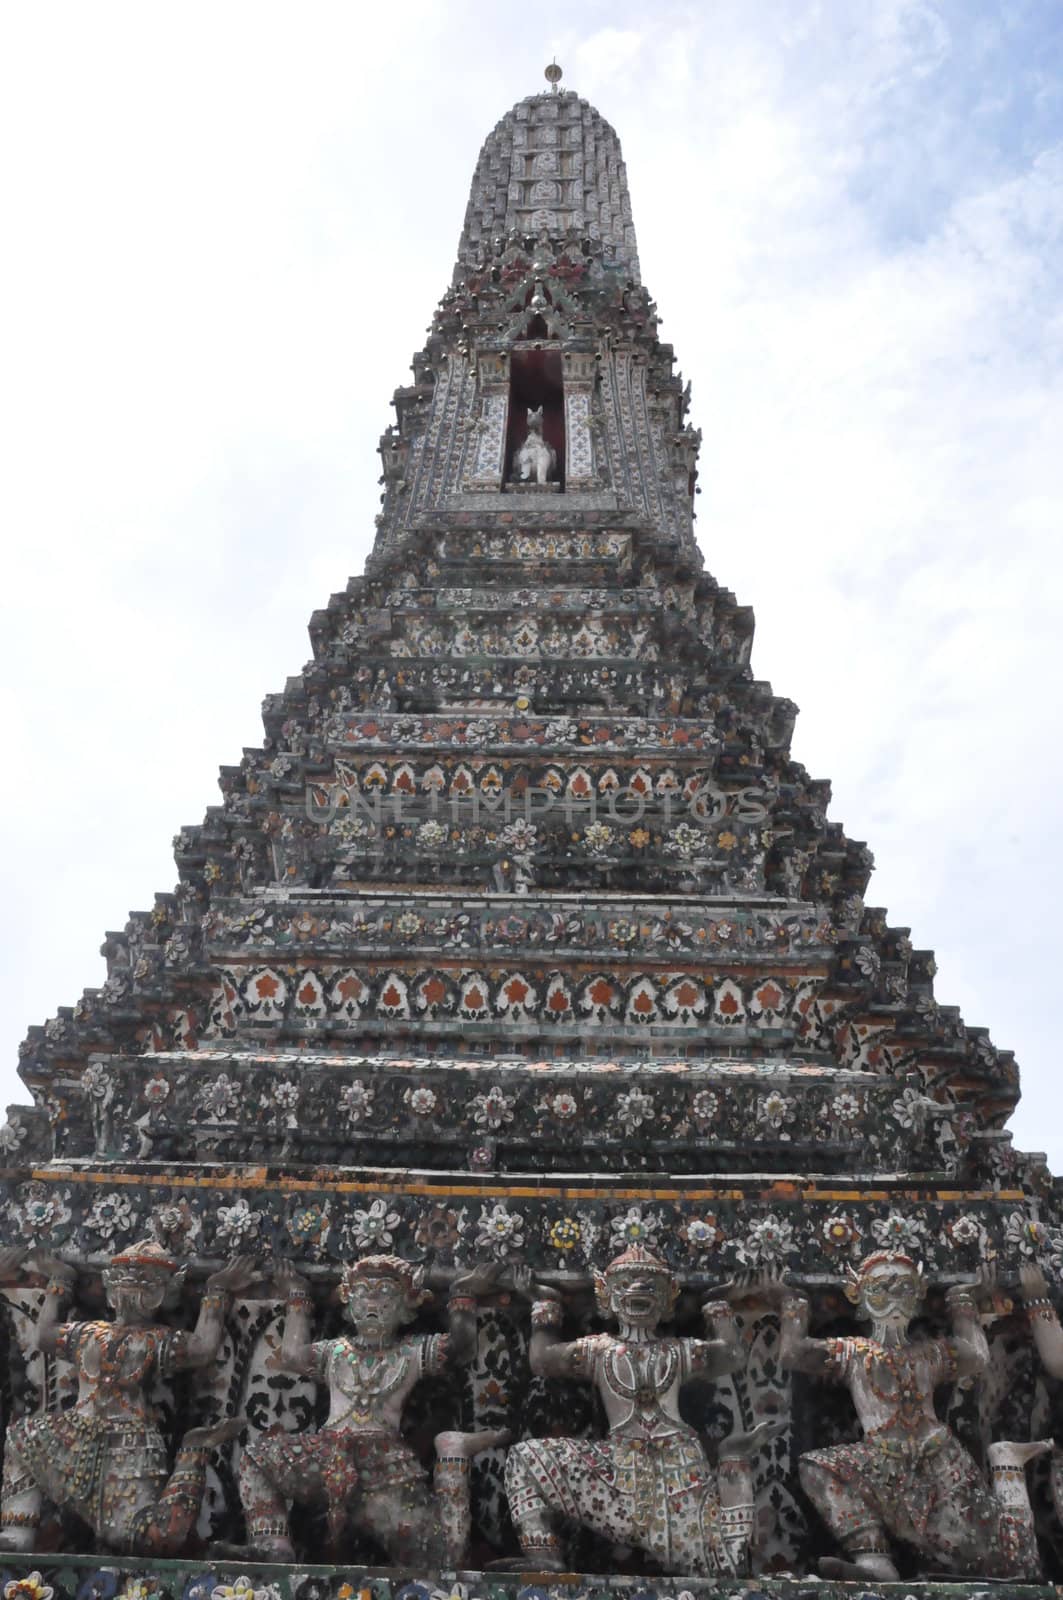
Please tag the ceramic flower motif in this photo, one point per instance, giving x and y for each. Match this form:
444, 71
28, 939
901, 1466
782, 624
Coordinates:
422, 1101
373, 1228
564, 1106
965, 1231
702, 1234
705, 1106
356, 1102
634, 1108
500, 1231
30, 1587
111, 1214
285, 1097
243, 1588
634, 1227
774, 1112
898, 1232
219, 1097
846, 1107
565, 1235
41, 1210
308, 1226
238, 1225
493, 1109
839, 1232
766, 1241
1025, 1234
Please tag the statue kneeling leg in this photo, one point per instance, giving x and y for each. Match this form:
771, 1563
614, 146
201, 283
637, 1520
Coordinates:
371, 1483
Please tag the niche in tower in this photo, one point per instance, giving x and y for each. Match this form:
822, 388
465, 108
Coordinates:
535, 379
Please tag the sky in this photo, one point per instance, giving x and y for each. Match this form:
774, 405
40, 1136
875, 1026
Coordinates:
226, 227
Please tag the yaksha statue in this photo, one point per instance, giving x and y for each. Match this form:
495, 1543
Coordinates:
358, 1466
105, 1459
649, 1484
910, 1478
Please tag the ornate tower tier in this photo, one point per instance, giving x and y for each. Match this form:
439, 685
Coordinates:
522, 940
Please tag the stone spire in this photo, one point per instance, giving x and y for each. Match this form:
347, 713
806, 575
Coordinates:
551, 166
522, 935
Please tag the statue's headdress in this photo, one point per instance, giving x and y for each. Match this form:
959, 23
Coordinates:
879, 1258
636, 1259
411, 1278
146, 1265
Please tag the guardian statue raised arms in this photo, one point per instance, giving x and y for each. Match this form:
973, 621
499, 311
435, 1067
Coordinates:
357, 1466
649, 1484
909, 1478
105, 1459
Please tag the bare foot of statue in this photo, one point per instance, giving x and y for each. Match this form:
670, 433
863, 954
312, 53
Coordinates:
279, 1550
872, 1565
740, 1446
20, 1540
539, 1563
467, 1445
1016, 1453
216, 1433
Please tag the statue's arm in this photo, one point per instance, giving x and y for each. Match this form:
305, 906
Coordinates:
722, 1352
797, 1350
297, 1349
1043, 1317
465, 1291
550, 1356
970, 1347
203, 1343
58, 1293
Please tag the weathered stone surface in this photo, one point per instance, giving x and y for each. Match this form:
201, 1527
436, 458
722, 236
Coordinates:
520, 939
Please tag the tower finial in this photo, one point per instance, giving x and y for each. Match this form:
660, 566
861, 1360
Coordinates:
553, 74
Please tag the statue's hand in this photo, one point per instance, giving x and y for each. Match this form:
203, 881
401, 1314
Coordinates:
769, 1285
10, 1260
237, 1275
288, 1282
478, 1281
52, 1267
526, 1286
1032, 1281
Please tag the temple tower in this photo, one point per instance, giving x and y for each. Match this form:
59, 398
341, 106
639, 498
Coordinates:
522, 937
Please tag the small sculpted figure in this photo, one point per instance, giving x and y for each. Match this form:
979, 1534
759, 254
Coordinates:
909, 1478
358, 1466
105, 1459
649, 1484
536, 460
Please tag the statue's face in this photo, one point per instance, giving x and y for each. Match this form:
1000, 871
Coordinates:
133, 1299
890, 1294
638, 1298
378, 1305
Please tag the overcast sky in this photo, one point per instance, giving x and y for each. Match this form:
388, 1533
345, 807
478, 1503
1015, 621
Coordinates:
225, 228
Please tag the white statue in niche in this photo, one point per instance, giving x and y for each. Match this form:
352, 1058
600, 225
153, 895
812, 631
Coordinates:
536, 460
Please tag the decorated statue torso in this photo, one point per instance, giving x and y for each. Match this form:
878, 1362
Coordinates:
114, 1362
639, 1380
893, 1386
368, 1385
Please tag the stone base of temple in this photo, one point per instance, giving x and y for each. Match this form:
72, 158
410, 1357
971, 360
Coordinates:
53, 1577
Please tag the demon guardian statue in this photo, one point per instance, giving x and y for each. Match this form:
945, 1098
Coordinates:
649, 1483
105, 1459
909, 1477
358, 1466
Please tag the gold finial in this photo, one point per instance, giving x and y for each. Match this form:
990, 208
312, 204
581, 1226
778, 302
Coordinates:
553, 74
